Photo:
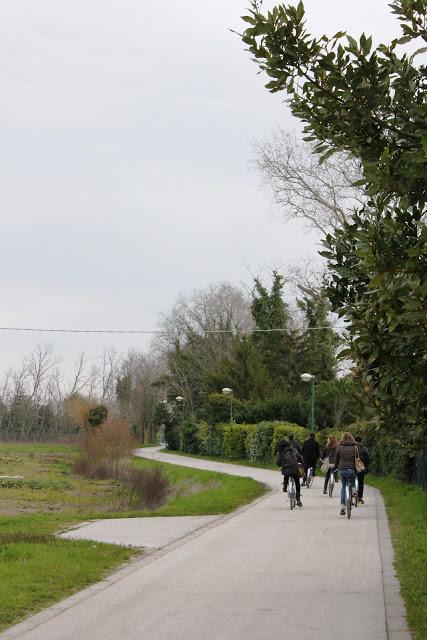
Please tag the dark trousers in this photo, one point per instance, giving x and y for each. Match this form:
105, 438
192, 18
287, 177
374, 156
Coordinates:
361, 481
297, 485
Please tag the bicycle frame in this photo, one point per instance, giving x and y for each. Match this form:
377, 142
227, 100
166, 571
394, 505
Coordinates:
349, 496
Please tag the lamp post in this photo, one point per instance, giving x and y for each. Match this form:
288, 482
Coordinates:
180, 400
229, 392
308, 377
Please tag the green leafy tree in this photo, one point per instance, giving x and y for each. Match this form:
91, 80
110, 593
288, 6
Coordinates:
370, 103
319, 342
244, 371
274, 337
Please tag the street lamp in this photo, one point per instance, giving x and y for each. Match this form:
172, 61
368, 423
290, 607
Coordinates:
229, 392
180, 400
308, 377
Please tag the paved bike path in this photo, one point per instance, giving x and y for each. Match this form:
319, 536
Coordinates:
262, 574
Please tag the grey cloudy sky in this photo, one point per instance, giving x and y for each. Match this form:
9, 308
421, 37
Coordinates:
125, 137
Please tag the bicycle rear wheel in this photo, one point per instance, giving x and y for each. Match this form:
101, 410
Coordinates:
292, 496
309, 479
331, 488
348, 501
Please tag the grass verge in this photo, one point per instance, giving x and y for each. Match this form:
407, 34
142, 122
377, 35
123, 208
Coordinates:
242, 462
407, 515
36, 568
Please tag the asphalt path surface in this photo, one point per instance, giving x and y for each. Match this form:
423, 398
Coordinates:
266, 573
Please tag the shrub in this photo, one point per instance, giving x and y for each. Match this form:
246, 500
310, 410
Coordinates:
284, 407
188, 439
217, 408
144, 488
259, 442
388, 455
210, 439
97, 415
172, 435
284, 430
234, 440
103, 448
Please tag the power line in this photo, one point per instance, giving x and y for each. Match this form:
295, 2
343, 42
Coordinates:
148, 332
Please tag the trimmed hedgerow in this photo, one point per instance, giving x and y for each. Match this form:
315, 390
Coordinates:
259, 442
285, 430
234, 440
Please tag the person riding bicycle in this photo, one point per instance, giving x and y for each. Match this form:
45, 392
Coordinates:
294, 443
345, 462
329, 452
311, 454
364, 456
288, 458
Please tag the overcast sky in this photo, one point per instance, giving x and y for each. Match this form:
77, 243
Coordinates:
126, 128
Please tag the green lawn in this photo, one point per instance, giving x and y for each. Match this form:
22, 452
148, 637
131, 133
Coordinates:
407, 514
37, 569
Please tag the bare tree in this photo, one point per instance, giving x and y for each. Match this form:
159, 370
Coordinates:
109, 370
138, 393
321, 195
219, 311
198, 333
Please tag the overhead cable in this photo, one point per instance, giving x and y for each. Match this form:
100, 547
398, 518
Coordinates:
151, 331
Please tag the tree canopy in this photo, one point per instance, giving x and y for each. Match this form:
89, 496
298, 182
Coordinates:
371, 103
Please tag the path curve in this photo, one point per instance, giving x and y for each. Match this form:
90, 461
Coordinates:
264, 573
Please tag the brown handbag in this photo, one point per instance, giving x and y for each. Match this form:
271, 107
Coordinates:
357, 461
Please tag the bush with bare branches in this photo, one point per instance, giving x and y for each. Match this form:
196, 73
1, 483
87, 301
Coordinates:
104, 448
147, 488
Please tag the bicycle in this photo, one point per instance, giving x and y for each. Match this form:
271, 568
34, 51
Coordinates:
292, 494
349, 496
309, 477
331, 483
355, 494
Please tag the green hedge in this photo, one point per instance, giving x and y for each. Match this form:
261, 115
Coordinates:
258, 444
388, 455
210, 439
234, 440
285, 430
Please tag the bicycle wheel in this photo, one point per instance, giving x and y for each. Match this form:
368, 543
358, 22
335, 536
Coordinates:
348, 501
309, 479
292, 499
331, 487
356, 493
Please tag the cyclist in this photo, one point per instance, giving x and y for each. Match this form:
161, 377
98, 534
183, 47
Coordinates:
294, 443
310, 453
329, 452
345, 462
288, 458
364, 456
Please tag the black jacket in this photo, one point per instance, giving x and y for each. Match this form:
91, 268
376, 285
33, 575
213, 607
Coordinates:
296, 445
364, 455
288, 459
310, 452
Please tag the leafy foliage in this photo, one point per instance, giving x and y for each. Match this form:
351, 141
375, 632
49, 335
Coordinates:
370, 103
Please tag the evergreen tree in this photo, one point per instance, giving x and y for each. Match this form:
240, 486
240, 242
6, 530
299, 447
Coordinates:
318, 343
273, 336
